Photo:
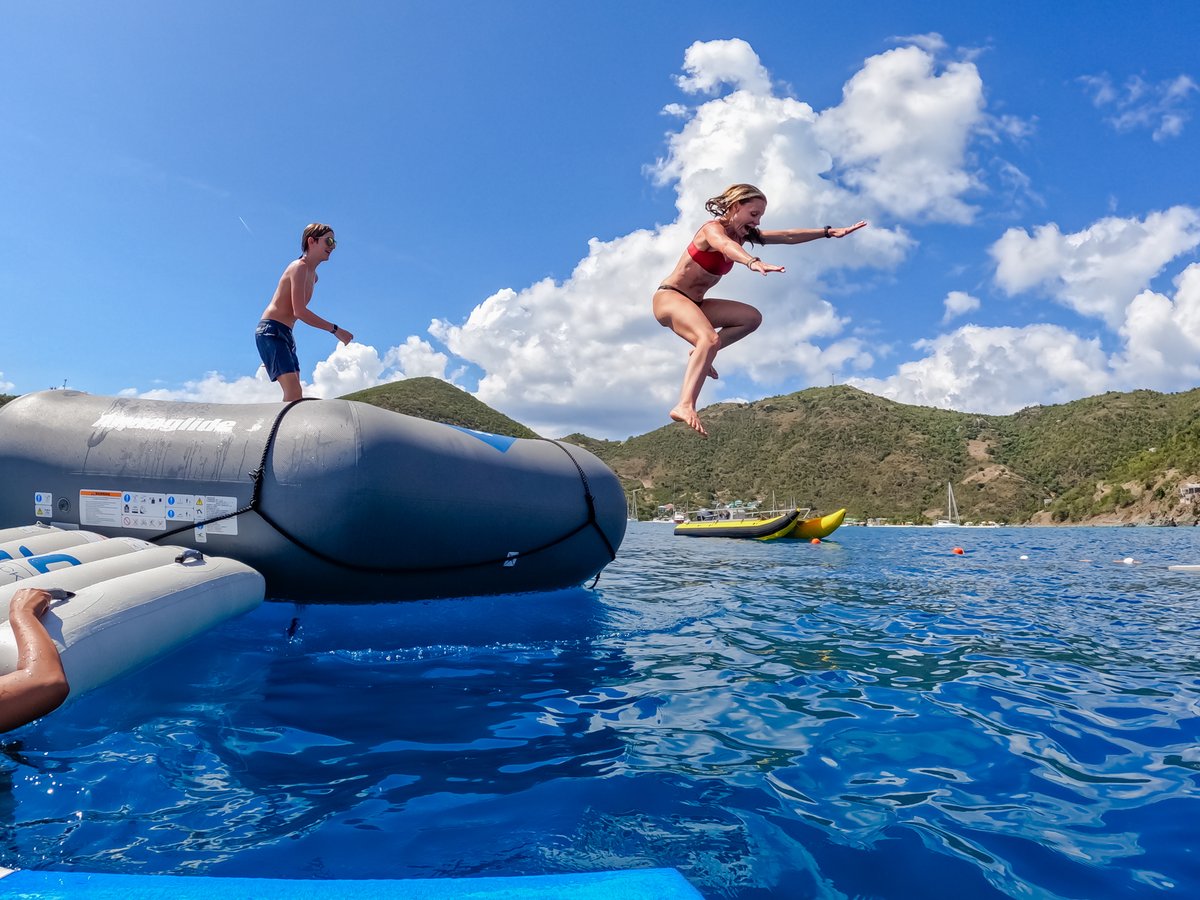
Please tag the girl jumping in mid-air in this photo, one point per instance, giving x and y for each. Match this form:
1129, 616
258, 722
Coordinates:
708, 325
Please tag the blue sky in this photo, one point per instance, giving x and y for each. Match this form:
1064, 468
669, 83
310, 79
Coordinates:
510, 181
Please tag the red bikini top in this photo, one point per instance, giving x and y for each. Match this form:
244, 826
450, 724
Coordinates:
710, 261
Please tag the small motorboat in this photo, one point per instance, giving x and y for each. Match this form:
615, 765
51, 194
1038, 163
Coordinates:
760, 528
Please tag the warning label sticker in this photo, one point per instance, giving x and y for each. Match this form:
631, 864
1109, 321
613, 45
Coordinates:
210, 507
43, 505
155, 512
100, 508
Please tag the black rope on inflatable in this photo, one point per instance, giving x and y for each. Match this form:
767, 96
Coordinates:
255, 506
256, 474
591, 501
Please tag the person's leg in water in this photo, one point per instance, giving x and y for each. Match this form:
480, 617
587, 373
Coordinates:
708, 327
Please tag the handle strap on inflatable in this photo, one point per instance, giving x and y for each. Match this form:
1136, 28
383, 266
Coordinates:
255, 505
189, 555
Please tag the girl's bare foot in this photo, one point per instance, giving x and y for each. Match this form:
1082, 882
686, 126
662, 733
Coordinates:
689, 418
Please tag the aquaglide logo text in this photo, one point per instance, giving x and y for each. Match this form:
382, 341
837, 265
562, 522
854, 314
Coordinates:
121, 422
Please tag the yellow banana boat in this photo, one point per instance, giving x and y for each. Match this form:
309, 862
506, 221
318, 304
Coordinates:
820, 527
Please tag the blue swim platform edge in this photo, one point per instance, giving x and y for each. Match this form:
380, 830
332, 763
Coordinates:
635, 884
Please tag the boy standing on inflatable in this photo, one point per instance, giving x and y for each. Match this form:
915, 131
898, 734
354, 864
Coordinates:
709, 325
276, 345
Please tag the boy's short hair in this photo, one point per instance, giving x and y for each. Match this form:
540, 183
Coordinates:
315, 230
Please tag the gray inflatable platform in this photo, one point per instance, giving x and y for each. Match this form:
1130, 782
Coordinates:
331, 500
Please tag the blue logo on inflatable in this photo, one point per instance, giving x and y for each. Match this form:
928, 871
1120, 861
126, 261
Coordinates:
41, 563
499, 441
44, 562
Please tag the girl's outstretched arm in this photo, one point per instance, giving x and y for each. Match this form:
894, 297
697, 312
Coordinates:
804, 235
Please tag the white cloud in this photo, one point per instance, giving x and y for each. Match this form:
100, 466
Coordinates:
901, 132
997, 370
5, 386
416, 358
932, 43
214, 388
350, 367
1099, 270
710, 64
1162, 338
1161, 108
1001, 370
958, 303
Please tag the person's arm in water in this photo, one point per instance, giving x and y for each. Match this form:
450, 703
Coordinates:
39, 684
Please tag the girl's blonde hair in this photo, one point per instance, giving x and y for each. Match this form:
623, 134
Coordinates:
732, 196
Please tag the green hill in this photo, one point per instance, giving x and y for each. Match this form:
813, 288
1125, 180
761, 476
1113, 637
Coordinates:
833, 447
5, 398
439, 401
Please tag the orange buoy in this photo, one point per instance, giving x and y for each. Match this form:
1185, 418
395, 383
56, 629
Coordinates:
958, 550
815, 541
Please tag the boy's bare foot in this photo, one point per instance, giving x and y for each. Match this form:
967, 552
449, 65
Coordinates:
689, 418
712, 372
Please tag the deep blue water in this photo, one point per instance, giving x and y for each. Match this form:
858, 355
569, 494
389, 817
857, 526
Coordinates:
873, 716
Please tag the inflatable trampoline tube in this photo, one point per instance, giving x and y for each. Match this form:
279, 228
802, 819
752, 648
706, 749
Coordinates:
331, 500
12, 570
114, 623
45, 541
22, 531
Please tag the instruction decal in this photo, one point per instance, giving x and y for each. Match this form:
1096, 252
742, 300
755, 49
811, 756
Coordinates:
156, 512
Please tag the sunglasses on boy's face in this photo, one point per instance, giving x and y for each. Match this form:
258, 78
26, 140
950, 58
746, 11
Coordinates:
330, 242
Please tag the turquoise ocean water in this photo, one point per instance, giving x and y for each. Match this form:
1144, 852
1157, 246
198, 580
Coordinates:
873, 716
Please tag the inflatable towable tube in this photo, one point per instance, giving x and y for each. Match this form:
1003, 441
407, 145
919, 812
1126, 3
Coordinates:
331, 500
